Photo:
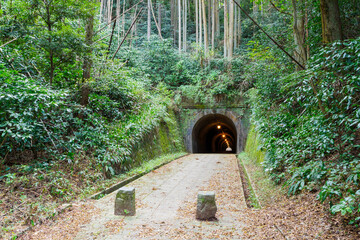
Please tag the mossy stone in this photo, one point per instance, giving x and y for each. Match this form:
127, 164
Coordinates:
125, 202
206, 206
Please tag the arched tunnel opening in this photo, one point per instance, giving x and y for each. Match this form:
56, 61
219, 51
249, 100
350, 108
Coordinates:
214, 133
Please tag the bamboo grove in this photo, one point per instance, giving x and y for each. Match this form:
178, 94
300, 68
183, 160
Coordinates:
217, 24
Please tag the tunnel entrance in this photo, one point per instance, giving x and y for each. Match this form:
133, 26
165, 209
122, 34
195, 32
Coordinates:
214, 133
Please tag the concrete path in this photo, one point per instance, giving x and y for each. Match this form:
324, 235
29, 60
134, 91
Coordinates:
166, 207
166, 203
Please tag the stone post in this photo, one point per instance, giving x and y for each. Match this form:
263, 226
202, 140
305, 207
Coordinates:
206, 206
125, 201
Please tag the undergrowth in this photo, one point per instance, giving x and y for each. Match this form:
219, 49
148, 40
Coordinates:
309, 125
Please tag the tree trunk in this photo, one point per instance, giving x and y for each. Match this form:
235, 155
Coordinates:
213, 25
209, 19
51, 52
112, 35
200, 24
231, 29
183, 24
330, 19
299, 14
101, 12
185, 20
118, 9
255, 9
179, 25
239, 30
159, 15
109, 12
135, 25
217, 27
123, 22
133, 28
156, 24
172, 19
196, 23
149, 20
235, 27
226, 25
85, 89
206, 44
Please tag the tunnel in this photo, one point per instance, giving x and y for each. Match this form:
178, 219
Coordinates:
214, 133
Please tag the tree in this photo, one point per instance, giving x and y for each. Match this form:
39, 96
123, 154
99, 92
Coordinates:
200, 22
149, 19
213, 25
226, 29
231, 30
179, 26
159, 15
197, 22
87, 65
206, 43
55, 41
299, 27
331, 22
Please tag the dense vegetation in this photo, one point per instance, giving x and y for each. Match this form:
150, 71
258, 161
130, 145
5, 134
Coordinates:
310, 128
73, 99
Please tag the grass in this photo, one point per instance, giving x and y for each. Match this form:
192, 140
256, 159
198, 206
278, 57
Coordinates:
262, 187
250, 195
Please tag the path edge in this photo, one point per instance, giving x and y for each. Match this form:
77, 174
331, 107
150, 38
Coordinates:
118, 185
104, 192
241, 164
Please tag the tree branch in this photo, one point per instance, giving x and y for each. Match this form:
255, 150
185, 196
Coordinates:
8, 42
273, 40
157, 25
116, 18
127, 33
279, 10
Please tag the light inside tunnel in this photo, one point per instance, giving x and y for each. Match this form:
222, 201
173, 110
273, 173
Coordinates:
214, 133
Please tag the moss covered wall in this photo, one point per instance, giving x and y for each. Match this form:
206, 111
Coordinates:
253, 146
162, 140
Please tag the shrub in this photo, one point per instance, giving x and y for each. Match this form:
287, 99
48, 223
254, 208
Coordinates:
309, 122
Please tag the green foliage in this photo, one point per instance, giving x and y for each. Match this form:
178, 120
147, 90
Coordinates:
309, 123
124, 137
162, 63
220, 81
49, 38
34, 117
116, 92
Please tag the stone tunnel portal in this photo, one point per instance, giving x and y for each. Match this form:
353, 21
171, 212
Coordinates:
214, 133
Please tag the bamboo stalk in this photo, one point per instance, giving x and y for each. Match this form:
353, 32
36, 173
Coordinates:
8, 42
157, 25
117, 18
132, 24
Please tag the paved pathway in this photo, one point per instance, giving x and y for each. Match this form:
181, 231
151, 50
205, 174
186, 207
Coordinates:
166, 206
166, 203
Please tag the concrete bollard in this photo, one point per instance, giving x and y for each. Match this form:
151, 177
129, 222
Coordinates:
206, 206
125, 202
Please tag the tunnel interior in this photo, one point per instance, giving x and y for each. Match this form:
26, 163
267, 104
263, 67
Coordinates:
214, 133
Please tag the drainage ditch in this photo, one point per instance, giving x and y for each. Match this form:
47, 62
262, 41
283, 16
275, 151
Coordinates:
249, 194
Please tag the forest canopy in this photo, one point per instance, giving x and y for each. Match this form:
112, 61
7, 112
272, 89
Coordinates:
87, 80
